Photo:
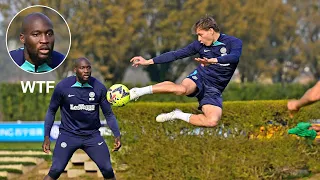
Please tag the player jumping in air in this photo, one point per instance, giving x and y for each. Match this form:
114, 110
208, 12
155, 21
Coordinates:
219, 57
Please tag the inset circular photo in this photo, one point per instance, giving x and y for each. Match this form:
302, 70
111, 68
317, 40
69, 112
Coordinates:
38, 39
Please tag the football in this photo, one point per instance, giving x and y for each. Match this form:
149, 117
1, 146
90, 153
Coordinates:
118, 95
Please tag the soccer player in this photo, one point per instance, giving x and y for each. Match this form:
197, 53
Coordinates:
219, 57
310, 96
79, 98
37, 54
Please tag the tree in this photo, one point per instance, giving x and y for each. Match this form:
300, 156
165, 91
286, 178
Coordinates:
280, 38
308, 22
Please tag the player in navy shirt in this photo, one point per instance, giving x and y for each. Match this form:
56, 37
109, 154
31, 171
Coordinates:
79, 98
37, 36
219, 57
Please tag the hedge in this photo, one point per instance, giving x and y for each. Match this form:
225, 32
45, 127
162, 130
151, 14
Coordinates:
254, 91
240, 92
15, 105
173, 150
177, 150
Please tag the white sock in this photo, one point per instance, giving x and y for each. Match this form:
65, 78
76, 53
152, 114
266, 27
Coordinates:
183, 116
144, 90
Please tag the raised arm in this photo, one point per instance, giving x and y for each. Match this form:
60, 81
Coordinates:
187, 51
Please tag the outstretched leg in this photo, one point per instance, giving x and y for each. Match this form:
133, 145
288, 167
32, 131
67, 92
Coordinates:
185, 88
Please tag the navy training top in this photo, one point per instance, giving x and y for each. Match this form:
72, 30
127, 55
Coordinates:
79, 107
227, 49
18, 57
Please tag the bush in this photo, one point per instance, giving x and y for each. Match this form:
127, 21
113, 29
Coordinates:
177, 150
173, 150
240, 92
254, 91
14, 105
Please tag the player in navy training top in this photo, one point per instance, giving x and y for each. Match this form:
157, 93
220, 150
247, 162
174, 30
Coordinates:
79, 98
219, 57
37, 36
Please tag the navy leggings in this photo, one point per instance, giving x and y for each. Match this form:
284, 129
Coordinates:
93, 145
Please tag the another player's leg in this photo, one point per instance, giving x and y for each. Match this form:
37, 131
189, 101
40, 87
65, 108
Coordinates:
186, 87
98, 151
316, 128
64, 149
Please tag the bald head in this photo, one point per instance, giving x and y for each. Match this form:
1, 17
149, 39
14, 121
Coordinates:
80, 61
33, 19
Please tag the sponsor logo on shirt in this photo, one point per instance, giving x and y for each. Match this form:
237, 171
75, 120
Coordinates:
81, 107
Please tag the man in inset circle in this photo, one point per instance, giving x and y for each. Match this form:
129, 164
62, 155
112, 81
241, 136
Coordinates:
37, 36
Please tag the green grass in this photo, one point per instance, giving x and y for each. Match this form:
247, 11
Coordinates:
21, 146
17, 171
45, 157
3, 178
23, 163
25, 146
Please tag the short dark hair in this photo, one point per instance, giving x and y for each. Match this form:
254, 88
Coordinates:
205, 23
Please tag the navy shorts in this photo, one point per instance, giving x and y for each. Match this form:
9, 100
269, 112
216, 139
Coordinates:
94, 145
204, 93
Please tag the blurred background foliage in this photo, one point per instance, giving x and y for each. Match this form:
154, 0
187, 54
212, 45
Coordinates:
280, 37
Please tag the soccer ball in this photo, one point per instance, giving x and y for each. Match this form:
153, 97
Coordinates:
118, 95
